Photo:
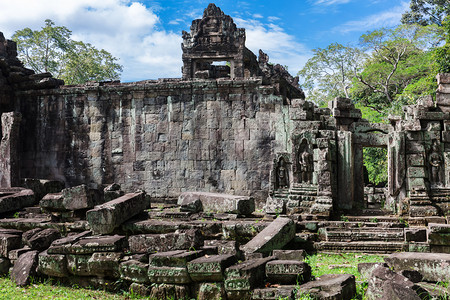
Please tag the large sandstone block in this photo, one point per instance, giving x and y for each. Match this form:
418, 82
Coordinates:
9, 242
16, 200
280, 232
210, 268
244, 277
104, 218
42, 239
54, 265
385, 284
88, 245
179, 240
42, 187
288, 271
219, 203
434, 267
25, 268
135, 271
171, 267
331, 286
80, 197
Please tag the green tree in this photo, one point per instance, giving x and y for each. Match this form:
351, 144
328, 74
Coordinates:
426, 12
442, 54
329, 72
52, 50
398, 68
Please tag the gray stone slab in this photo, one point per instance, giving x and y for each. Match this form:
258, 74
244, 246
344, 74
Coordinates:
80, 197
9, 242
134, 271
277, 234
434, 267
180, 240
210, 268
330, 286
219, 203
104, 218
54, 265
89, 245
25, 268
288, 271
17, 201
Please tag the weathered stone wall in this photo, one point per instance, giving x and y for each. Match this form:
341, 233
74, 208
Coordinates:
165, 137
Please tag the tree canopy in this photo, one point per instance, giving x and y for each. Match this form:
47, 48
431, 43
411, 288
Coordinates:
426, 12
51, 49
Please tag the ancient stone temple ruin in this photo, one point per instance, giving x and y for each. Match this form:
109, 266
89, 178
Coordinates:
214, 183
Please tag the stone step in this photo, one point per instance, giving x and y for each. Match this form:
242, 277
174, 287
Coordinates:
361, 246
347, 224
375, 218
365, 234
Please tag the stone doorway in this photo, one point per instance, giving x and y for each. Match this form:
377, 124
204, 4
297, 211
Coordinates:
375, 171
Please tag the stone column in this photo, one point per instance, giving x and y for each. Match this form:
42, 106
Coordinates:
9, 150
346, 190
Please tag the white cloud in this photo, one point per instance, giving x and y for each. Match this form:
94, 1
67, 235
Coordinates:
127, 29
257, 16
384, 19
273, 19
331, 2
281, 47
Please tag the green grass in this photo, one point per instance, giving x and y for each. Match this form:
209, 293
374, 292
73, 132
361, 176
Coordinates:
342, 263
9, 291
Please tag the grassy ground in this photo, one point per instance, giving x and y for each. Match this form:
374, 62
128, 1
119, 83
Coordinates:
9, 291
321, 263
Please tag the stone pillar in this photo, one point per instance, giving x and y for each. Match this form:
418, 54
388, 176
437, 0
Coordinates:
9, 150
396, 169
345, 170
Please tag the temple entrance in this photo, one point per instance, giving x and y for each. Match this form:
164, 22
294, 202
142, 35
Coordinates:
375, 171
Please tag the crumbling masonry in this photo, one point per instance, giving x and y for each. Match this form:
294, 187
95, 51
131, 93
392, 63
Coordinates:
233, 134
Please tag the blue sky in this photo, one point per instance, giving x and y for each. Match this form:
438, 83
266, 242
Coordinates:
146, 35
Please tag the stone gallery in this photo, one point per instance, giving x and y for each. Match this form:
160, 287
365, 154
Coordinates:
214, 184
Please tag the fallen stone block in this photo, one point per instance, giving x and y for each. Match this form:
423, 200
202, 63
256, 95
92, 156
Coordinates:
9, 242
244, 277
112, 192
91, 244
80, 197
276, 293
330, 286
52, 202
140, 289
42, 239
104, 218
170, 291
77, 264
288, 271
105, 264
171, 267
134, 271
54, 265
210, 268
435, 290
434, 267
385, 284
366, 269
223, 247
179, 240
4, 266
18, 199
280, 232
299, 255
219, 203
70, 239
25, 268
211, 291
42, 187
